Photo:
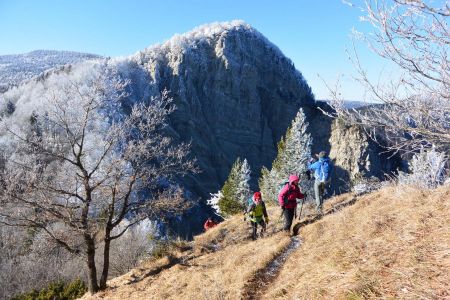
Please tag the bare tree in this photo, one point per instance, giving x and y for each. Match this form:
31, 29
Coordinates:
413, 110
85, 162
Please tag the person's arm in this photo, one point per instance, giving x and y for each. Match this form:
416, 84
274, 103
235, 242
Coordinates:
250, 208
282, 194
314, 166
265, 211
300, 194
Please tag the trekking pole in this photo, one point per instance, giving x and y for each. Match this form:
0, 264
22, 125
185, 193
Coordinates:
301, 208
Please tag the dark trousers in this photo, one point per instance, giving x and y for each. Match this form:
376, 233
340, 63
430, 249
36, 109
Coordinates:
255, 228
288, 214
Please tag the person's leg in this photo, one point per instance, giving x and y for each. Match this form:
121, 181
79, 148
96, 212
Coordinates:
321, 193
254, 230
288, 216
263, 227
318, 196
326, 190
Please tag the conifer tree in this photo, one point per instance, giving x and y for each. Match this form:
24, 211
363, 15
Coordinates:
294, 152
243, 187
236, 189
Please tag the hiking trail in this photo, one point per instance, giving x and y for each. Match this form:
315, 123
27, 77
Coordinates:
258, 284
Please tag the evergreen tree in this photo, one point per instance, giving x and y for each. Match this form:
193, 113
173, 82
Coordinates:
236, 189
269, 184
298, 147
243, 188
294, 152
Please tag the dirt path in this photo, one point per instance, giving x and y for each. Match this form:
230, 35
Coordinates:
256, 286
259, 283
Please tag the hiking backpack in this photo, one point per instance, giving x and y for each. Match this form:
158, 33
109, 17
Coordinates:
330, 169
280, 187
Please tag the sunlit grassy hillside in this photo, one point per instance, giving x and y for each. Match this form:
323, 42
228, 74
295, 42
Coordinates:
391, 244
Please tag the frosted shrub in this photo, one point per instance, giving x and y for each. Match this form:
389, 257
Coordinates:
214, 202
366, 185
427, 170
135, 246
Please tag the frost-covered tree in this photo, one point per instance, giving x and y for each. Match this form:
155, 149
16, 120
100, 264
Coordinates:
84, 162
243, 187
414, 108
236, 190
294, 152
297, 149
427, 169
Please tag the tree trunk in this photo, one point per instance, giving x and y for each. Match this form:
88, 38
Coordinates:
92, 274
105, 260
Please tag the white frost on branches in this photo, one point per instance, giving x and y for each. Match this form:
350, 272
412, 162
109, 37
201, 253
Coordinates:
214, 202
294, 152
414, 108
243, 187
427, 169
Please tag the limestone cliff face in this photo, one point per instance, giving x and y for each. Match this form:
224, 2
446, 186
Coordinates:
356, 155
236, 94
353, 153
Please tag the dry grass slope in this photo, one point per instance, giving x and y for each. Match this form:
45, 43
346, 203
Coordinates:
392, 244
221, 262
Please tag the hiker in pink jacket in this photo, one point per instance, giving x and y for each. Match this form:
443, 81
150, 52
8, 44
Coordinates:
288, 200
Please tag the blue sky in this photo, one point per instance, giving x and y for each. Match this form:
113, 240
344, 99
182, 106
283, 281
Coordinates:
314, 34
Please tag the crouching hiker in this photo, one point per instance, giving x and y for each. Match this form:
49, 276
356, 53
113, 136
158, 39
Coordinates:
210, 223
256, 210
288, 200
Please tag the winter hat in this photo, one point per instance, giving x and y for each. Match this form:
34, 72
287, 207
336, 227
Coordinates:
257, 195
322, 154
293, 178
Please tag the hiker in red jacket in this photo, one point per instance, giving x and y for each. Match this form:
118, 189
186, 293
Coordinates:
288, 200
209, 224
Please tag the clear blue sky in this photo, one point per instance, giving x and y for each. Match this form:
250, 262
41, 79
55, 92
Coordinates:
314, 34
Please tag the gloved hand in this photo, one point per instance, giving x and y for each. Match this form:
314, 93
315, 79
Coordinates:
282, 207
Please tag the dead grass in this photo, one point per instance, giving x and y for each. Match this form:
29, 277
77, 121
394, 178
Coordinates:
392, 244
223, 261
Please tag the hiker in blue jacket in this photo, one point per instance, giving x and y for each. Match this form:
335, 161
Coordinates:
322, 173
